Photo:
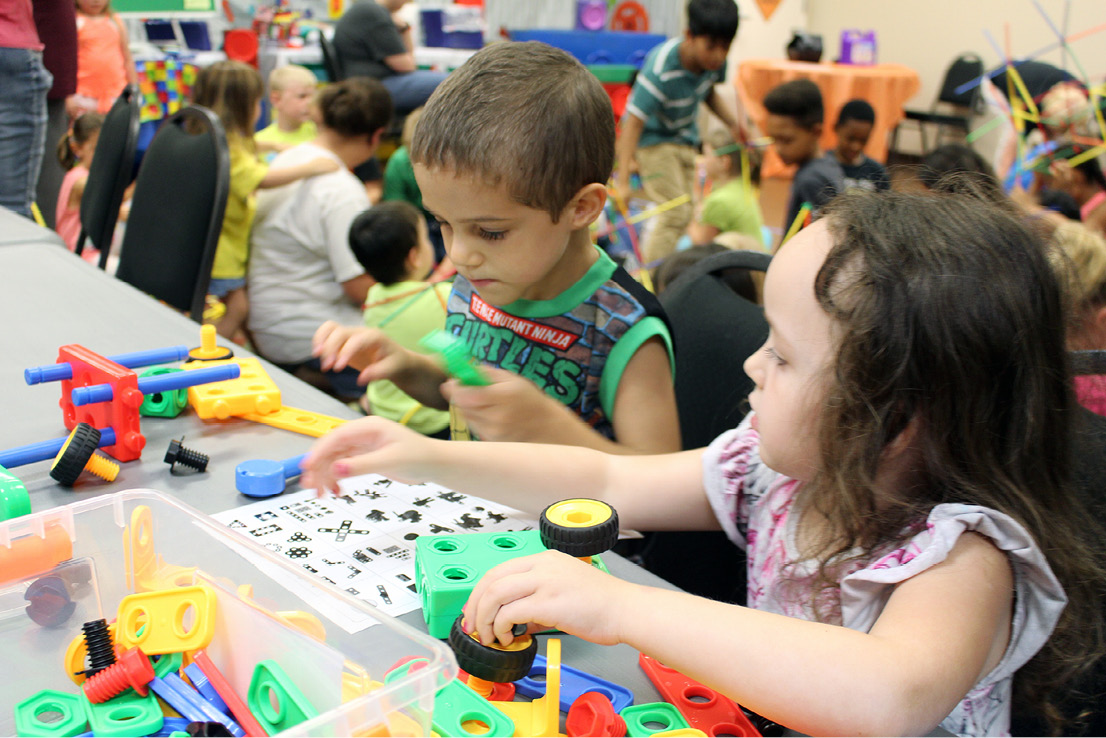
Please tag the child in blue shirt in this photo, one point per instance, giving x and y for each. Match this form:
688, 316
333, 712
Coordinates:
853, 129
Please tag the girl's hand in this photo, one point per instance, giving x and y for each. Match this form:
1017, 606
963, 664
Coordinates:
368, 350
548, 590
369, 445
511, 408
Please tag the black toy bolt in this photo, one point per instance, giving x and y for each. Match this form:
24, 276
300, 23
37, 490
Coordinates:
177, 453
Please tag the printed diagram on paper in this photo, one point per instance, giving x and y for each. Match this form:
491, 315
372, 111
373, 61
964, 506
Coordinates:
363, 541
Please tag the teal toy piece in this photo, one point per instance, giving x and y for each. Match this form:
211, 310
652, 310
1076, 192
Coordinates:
14, 500
448, 567
458, 362
275, 700
455, 704
30, 714
126, 714
654, 713
573, 684
167, 404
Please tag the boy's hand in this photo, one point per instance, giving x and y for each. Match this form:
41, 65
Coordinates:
511, 408
550, 590
368, 350
368, 445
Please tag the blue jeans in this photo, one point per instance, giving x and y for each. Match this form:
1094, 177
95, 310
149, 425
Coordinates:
412, 89
24, 83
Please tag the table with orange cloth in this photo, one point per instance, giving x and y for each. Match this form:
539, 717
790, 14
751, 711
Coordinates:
885, 86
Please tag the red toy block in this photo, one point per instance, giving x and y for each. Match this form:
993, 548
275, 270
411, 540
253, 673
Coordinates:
592, 714
120, 414
705, 709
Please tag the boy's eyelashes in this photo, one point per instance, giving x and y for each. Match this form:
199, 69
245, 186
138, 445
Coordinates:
480, 232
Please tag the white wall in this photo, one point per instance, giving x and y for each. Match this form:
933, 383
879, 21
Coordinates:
927, 34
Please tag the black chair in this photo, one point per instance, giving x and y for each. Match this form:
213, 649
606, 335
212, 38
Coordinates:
180, 197
714, 330
963, 105
332, 63
110, 174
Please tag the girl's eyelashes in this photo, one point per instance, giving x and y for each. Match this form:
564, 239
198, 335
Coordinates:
491, 235
771, 353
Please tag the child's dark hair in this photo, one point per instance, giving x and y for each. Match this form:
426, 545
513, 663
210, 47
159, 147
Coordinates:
950, 336
232, 90
526, 115
355, 107
951, 159
715, 19
382, 237
858, 110
83, 128
799, 99
738, 280
1091, 170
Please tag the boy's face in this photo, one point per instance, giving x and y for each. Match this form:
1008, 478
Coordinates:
792, 142
294, 102
705, 54
852, 137
508, 250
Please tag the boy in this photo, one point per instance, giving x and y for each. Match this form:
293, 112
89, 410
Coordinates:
659, 128
853, 129
291, 90
731, 207
795, 125
512, 155
390, 241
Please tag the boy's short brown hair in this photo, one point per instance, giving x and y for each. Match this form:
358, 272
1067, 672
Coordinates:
354, 107
524, 114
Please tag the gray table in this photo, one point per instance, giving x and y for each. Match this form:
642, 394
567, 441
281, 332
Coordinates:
15, 229
51, 298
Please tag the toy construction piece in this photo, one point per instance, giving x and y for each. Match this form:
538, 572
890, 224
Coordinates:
296, 420
208, 350
579, 527
493, 663
178, 453
78, 454
702, 707
458, 363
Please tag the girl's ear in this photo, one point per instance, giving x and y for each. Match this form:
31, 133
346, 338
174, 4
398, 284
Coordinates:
587, 204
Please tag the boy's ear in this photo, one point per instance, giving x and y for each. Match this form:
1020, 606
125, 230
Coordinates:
274, 98
375, 137
816, 129
587, 204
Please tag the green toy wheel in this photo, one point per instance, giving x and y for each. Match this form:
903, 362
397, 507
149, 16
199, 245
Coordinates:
579, 527
492, 663
74, 454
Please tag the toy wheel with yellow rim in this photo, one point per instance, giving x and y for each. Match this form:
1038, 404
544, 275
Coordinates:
74, 454
579, 527
492, 663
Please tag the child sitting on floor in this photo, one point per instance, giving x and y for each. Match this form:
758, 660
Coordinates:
732, 205
391, 242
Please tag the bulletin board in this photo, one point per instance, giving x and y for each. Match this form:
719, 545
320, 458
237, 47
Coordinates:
165, 8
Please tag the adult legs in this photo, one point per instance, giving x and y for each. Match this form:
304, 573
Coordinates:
667, 172
411, 90
24, 81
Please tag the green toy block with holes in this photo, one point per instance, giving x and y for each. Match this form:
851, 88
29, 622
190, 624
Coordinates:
447, 567
163, 404
14, 500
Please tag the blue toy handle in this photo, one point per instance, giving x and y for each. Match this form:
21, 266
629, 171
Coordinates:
159, 383
292, 466
64, 371
46, 449
265, 478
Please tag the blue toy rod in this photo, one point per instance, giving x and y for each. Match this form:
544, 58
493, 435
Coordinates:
160, 383
64, 371
46, 449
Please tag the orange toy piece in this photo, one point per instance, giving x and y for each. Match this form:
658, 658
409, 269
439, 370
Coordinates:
120, 413
630, 16
297, 421
703, 707
253, 392
34, 553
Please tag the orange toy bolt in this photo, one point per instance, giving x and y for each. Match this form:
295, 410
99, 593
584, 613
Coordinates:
208, 350
132, 669
79, 453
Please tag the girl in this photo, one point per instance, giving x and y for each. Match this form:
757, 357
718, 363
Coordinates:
896, 484
1086, 252
104, 62
1087, 186
75, 154
233, 90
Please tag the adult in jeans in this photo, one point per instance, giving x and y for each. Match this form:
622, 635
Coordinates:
24, 82
373, 41
56, 21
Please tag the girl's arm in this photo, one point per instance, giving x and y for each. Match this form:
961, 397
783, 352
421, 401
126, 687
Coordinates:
128, 60
286, 175
650, 492
77, 192
940, 632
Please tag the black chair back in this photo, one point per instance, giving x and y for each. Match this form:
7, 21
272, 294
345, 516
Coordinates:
180, 198
110, 174
331, 61
963, 69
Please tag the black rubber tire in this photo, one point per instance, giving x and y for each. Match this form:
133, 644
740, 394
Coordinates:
83, 441
488, 662
576, 540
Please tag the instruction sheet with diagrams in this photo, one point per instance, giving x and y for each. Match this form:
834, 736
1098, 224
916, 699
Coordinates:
363, 541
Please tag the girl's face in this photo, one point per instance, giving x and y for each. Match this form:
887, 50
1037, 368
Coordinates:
92, 7
790, 371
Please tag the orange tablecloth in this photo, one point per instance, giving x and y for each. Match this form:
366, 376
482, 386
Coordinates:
885, 86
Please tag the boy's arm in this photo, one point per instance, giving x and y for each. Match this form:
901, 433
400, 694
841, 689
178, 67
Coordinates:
624, 150
718, 107
286, 175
